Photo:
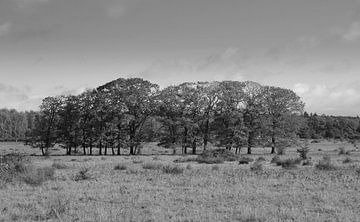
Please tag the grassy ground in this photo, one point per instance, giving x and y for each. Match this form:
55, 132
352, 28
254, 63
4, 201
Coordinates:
138, 188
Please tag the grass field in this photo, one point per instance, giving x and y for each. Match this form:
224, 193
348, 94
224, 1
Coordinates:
154, 188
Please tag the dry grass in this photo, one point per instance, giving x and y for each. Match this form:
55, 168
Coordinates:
227, 192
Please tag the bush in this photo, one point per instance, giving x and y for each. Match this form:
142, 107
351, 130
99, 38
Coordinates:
342, 151
215, 167
281, 150
275, 159
257, 166
289, 163
245, 160
261, 159
185, 160
172, 169
347, 160
151, 166
325, 164
37, 176
307, 163
59, 165
120, 166
303, 151
216, 156
11, 166
83, 174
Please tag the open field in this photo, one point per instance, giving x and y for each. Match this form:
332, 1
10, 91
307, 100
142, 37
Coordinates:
154, 188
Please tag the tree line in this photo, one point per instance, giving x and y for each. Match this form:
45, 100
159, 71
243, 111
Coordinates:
124, 113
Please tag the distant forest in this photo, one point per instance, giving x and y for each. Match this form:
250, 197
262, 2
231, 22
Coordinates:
126, 112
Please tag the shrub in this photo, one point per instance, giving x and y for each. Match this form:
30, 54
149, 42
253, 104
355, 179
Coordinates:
37, 176
83, 174
275, 159
216, 156
289, 163
342, 151
307, 163
261, 159
325, 164
245, 160
172, 169
215, 167
347, 160
120, 166
58, 165
151, 166
281, 150
185, 160
189, 167
303, 151
257, 166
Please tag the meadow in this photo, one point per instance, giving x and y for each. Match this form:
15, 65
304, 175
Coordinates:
164, 187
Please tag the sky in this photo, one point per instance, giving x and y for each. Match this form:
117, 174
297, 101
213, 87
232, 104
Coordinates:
53, 47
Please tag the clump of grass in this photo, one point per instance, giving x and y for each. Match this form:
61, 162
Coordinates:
289, 163
347, 160
342, 151
120, 166
156, 158
260, 159
169, 169
257, 166
57, 207
151, 166
37, 176
215, 167
185, 160
59, 165
137, 161
307, 163
245, 160
83, 174
216, 156
189, 167
325, 164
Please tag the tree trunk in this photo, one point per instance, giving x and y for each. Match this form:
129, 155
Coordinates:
250, 142
272, 145
185, 140
100, 148
106, 146
194, 147
206, 134
43, 152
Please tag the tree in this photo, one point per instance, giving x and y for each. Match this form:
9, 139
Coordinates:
137, 97
253, 112
45, 133
281, 106
228, 125
69, 123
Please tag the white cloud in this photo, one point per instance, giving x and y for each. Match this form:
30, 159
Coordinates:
5, 28
332, 100
352, 33
301, 88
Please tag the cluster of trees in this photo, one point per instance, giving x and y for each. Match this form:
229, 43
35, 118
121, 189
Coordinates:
330, 127
14, 125
126, 112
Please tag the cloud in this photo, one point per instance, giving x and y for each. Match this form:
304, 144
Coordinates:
25, 3
332, 100
5, 28
11, 97
351, 34
115, 11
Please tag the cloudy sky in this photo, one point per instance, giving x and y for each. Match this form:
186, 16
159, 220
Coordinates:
50, 47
